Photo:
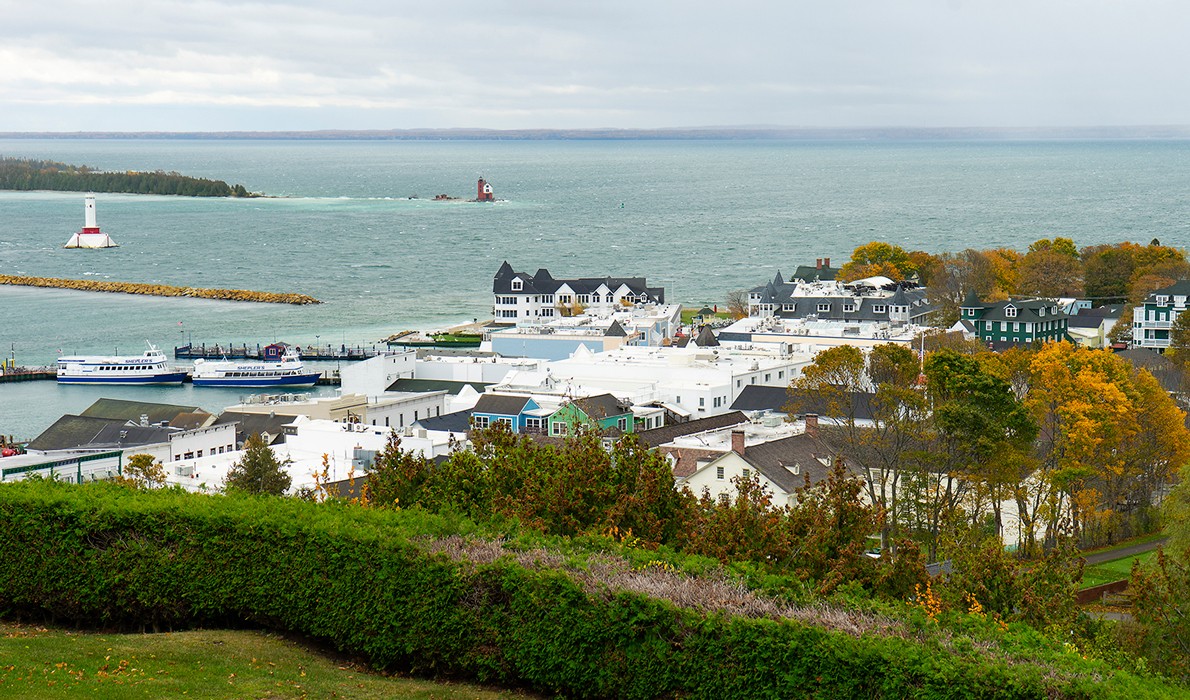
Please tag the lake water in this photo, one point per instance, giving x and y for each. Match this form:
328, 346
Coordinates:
700, 218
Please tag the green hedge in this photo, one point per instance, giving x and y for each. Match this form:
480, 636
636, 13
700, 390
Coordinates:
104, 555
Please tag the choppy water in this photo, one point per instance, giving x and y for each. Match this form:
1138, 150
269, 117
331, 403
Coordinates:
700, 218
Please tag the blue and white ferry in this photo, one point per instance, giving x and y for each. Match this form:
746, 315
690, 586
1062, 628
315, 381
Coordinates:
285, 369
149, 368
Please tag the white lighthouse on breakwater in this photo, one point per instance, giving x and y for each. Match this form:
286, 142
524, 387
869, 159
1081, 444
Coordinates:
90, 236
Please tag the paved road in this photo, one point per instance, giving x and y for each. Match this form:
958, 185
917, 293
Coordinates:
1100, 557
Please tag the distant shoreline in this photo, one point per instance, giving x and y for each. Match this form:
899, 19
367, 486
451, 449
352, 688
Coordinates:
677, 134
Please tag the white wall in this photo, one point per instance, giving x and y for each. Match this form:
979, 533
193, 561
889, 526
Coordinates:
373, 376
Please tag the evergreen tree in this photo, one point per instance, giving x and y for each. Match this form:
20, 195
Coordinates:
259, 470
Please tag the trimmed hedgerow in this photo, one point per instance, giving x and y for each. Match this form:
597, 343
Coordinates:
104, 555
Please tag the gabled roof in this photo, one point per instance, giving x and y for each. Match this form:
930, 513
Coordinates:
686, 458
668, 433
71, 432
774, 458
601, 406
1086, 321
256, 423
457, 422
706, 338
542, 282
133, 410
809, 273
1163, 369
1026, 310
1181, 288
761, 398
615, 331
859, 404
500, 404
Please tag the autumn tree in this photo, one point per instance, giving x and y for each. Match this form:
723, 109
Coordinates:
396, 476
259, 470
1179, 341
878, 258
142, 472
737, 303
1051, 269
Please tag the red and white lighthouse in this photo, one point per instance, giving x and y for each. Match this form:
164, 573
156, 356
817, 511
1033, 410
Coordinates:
484, 192
90, 236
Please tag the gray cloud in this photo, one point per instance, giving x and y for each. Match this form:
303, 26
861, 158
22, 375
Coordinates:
359, 64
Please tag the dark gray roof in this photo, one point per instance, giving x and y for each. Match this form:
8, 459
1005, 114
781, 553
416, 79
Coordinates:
615, 331
88, 432
668, 433
1181, 288
133, 410
1086, 321
1163, 369
602, 406
423, 385
706, 338
779, 399
1105, 311
773, 459
255, 424
1026, 310
457, 422
809, 273
905, 294
500, 404
544, 283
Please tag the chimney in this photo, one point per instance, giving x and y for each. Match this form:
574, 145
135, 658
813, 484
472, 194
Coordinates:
826, 262
144, 419
737, 441
812, 424
818, 263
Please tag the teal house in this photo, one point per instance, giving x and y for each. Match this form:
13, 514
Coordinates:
1015, 321
603, 412
1152, 321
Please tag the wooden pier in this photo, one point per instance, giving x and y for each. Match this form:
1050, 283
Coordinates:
29, 374
232, 351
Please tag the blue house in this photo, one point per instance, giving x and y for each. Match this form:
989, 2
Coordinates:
501, 408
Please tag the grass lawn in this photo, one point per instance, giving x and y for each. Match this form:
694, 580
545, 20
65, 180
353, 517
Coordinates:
1143, 539
689, 313
1113, 570
36, 662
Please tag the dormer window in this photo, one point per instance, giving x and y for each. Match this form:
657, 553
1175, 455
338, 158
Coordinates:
824, 308
879, 308
1041, 311
1010, 311
849, 307
1162, 300
517, 285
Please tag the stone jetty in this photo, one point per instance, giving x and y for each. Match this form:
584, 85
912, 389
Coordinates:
159, 290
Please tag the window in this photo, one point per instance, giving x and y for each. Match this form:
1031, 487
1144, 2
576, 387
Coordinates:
768, 376
849, 307
789, 307
1010, 311
622, 424
479, 421
415, 416
738, 382
747, 473
558, 428
879, 308
517, 285
823, 308
1016, 327
702, 401
719, 472
781, 374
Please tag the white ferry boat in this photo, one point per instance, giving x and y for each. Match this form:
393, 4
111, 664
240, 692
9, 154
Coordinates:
285, 369
149, 368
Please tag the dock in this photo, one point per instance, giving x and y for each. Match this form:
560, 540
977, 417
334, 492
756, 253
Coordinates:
28, 374
244, 351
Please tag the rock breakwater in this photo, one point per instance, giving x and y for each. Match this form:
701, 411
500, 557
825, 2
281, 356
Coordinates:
159, 290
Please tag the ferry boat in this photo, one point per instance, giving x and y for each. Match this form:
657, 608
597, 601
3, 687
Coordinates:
149, 368
285, 370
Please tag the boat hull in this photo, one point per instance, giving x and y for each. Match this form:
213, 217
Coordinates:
308, 379
148, 380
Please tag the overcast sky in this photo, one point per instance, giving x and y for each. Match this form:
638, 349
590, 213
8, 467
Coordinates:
213, 65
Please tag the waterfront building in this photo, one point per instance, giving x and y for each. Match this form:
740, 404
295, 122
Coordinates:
390, 410
871, 300
1015, 321
1152, 321
555, 338
519, 296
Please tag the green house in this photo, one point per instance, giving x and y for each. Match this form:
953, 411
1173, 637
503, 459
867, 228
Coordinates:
1152, 321
603, 412
1015, 321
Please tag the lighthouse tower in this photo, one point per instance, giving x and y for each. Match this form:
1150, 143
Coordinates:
90, 236
484, 192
